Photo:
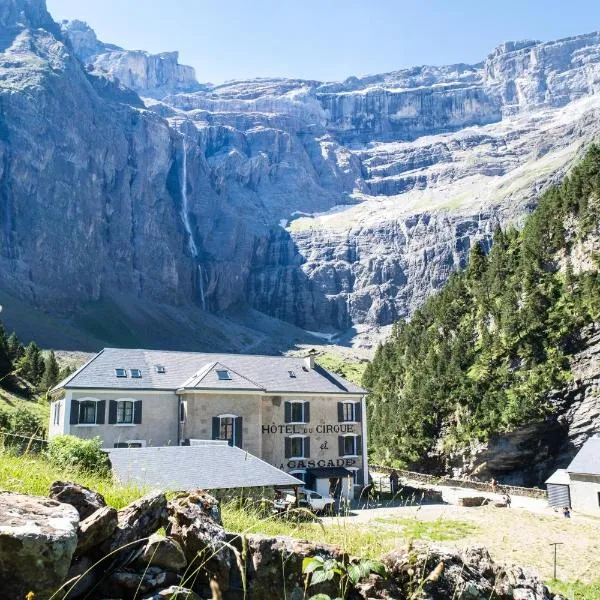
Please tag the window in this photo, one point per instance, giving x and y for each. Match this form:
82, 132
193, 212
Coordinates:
297, 446
349, 445
121, 372
355, 475
299, 474
297, 412
182, 411
125, 411
136, 373
131, 444
228, 427
349, 412
87, 412
160, 369
292, 374
223, 374
57, 413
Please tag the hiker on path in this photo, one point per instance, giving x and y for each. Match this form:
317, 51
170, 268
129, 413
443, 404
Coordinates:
394, 482
566, 512
494, 485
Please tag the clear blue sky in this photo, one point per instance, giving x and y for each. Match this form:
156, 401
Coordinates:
325, 39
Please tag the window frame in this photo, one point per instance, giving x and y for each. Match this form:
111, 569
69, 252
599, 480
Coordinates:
355, 471
302, 445
233, 427
302, 404
120, 372
85, 403
123, 402
138, 373
225, 377
349, 404
299, 474
56, 416
161, 369
354, 437
182, 411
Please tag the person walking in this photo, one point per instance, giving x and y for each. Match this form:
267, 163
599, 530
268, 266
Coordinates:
508, 501
394, 482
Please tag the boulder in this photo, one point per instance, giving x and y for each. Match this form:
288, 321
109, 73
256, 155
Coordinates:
38, 537
129, 583
81, 578
139, 520
83, 499
439, 574
195, 525
97, 528
161, 551
472, 501
275, 563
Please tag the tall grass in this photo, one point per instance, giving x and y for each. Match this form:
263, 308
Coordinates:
576, 590
33, 474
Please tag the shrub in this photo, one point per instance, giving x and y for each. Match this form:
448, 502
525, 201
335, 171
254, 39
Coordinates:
86, 455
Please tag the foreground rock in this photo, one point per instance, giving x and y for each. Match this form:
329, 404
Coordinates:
38, 537
97, 528
83, 499
195, 525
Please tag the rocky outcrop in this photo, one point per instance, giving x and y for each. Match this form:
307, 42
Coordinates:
333, 206
154, 75
38, 537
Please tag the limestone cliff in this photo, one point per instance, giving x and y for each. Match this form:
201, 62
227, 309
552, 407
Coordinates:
333, 206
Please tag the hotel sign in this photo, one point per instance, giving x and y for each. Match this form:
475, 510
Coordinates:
304, 430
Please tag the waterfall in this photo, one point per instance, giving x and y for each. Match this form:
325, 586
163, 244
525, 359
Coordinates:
184, 203
201, 286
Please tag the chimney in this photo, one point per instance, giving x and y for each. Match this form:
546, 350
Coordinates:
309, 361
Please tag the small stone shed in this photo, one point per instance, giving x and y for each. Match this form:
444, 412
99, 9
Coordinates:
208, 465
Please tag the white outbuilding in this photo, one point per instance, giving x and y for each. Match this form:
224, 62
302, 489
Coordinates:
578, 486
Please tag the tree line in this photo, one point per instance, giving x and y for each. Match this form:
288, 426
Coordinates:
482, 355
29, 363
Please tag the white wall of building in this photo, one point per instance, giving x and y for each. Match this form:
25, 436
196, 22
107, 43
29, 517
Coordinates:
585, 493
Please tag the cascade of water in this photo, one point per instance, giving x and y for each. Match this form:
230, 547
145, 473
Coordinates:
184, 203
201, 286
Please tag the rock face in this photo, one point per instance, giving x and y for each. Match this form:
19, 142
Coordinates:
38, 537
330, 205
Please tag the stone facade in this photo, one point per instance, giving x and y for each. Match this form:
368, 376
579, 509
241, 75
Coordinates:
317, 437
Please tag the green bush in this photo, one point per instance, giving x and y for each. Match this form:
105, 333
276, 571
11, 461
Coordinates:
86, 455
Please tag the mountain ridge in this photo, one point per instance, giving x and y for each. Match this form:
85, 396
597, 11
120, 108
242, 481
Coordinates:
317, 211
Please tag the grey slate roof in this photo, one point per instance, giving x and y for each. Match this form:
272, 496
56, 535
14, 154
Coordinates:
207, 466
587, 460
196, 369
559, 477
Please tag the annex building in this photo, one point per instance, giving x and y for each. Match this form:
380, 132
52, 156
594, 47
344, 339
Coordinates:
578, 486
288, 411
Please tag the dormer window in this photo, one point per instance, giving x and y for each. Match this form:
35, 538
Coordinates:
292, 374
121, 372
160, 369
136, 373
223, 374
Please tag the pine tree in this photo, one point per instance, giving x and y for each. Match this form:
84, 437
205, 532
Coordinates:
15, 348
5, 361
51, 372
31, 364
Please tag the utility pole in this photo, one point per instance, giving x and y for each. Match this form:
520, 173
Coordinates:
555, 544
